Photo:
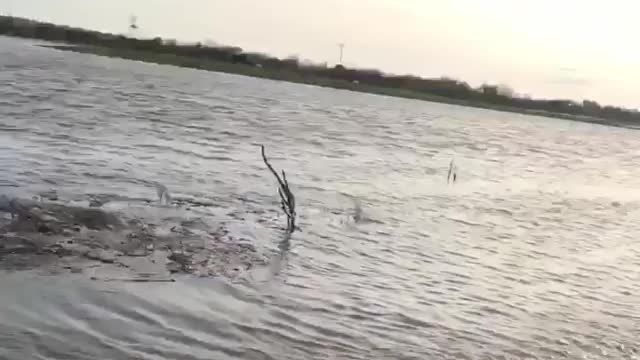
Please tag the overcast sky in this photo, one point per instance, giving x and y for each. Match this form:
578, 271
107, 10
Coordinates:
546, 48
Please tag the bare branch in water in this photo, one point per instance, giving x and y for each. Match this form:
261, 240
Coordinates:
357, 210
452, 175
163, 193
287, 200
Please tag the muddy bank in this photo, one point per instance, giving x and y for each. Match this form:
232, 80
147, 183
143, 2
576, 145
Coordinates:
55, 237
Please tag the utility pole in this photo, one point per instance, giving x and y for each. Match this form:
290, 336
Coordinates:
133, 26
341, 46
133, 22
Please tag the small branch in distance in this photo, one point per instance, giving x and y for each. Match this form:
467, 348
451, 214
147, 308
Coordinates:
452, 175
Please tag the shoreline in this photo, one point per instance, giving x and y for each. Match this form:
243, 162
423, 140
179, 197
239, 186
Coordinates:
235, 60
292, 77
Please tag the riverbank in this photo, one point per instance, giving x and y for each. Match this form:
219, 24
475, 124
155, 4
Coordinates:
232, 59
295, 77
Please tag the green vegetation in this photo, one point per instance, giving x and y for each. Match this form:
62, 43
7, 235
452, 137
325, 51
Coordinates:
234, 60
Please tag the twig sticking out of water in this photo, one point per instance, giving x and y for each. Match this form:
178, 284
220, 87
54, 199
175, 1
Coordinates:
357, 210
452, 175
287, 200
163, 193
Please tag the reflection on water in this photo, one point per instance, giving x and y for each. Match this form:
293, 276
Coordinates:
531, 254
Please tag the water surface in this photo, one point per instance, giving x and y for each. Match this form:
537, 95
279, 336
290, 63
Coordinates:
532, 254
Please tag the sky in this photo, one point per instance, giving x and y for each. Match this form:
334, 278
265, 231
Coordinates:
573, 49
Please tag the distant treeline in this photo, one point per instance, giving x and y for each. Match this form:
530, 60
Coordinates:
442, 87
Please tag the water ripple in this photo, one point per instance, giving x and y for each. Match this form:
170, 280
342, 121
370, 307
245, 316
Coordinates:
531, 254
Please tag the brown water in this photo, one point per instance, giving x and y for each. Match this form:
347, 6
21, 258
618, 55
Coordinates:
533, 253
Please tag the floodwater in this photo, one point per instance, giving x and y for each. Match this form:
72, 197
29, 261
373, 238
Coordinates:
532, 254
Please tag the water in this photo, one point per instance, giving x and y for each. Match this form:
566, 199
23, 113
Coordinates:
532, 253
